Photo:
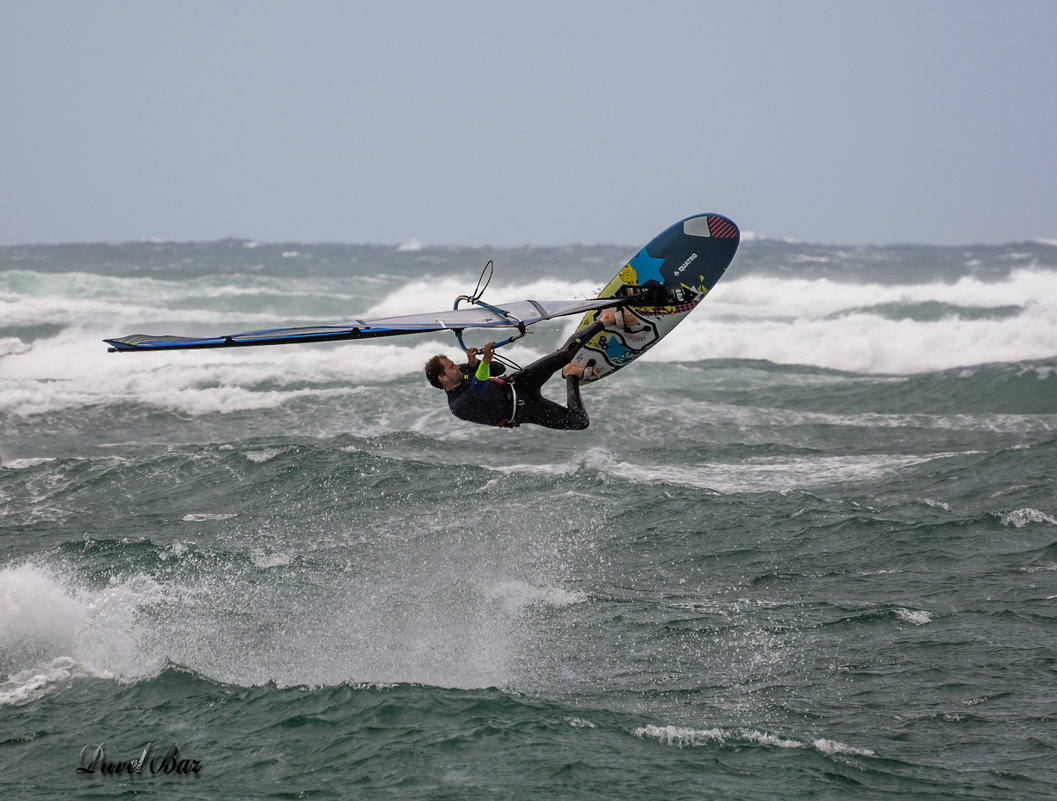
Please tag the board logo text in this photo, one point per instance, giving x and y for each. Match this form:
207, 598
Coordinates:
686, 264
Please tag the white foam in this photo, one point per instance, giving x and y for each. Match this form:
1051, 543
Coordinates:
25, 685
60, 373
918, 617
680, 736
437, 615
784, 320
828, 324
549, 469
263, 455
686, 737
824, 297
516, 596
580, 723
762, 474
864, 343
830, 747
78, 298
1018, 518
72, 369
1050, 568
73, 629
266, 560
10, 345
946, 507
35, 605
765, 474
416, 297
22, 464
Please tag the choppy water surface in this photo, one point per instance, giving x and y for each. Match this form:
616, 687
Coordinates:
808, 545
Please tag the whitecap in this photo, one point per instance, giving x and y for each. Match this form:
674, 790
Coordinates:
766, 474
21, 464
827, 323
26, 685
75, 630
263, 455
1018, 518
918, 617
946, 507
683, 737
831, 747
580, 723
680, 736
686, 737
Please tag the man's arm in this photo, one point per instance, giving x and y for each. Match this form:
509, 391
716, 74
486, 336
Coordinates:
471, 360
484, 368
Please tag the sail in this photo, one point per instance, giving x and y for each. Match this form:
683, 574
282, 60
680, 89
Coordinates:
511, 315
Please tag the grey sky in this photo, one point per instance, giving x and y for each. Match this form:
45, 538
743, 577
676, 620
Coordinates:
540, 122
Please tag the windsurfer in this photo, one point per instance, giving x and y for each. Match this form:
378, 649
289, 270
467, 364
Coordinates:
476, 394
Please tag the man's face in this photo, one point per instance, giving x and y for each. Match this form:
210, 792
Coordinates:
452, 375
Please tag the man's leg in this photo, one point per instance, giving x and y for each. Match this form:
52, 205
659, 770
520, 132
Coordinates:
542, 411
545, 412
540, 371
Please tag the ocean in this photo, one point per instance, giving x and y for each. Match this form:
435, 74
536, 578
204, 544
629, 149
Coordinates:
807, 548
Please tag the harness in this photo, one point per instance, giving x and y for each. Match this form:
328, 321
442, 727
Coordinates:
515, 405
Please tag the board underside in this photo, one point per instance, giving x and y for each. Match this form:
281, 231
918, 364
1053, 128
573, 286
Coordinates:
686, 260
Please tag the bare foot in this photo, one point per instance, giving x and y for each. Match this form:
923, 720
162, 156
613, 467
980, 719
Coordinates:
573, 370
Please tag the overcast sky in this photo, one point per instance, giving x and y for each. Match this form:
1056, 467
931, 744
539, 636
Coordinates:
508, 123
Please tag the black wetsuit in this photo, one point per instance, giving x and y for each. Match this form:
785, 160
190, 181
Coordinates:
495, 403
488, 402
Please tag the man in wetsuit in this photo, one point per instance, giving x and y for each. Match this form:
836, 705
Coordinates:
474, 395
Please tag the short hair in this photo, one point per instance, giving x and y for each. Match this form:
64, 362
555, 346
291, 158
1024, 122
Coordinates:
434, 369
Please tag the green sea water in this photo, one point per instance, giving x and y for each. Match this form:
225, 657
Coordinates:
807, 548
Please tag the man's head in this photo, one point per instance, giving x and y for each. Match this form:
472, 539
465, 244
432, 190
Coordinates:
443, 373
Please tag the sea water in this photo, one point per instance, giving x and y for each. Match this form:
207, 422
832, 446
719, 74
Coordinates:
806, 549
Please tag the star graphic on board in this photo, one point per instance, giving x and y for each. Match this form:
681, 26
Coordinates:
647, 268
